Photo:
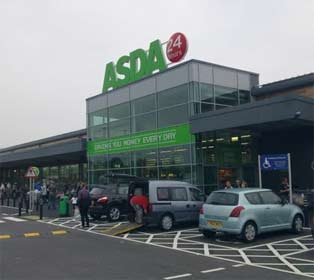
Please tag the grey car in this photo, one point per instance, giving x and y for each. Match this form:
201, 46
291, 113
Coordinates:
170, 202
248, 212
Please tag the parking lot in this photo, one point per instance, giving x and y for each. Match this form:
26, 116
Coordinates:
282, 251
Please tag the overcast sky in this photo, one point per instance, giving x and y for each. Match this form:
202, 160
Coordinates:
53, 52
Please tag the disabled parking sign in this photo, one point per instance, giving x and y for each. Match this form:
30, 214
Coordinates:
274, 162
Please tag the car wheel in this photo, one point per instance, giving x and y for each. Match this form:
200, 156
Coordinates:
113, 213
209, 234
297, 224
249, 232
166, 222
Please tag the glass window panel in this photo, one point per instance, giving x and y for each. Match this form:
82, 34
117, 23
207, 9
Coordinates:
98, 132
270, 198
207, 93
146, 172
119, 160
253, 198
174, 155
144, 122
143, 105
244, 96
98, 162
144, 158
173, 116
194, 92
97, 118
195, 195
195, 108
119, 111
206, 107
181, 173
173, 96
119, 128
226, 96
179, 194
163, 194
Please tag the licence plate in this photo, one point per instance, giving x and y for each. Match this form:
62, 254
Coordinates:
214, 224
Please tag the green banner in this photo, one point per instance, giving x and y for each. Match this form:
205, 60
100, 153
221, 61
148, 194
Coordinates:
176, 135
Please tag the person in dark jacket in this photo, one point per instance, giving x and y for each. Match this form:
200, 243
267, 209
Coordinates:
83, 202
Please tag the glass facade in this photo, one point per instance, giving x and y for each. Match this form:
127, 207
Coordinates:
199, 162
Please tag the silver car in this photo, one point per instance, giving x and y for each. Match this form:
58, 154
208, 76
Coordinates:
248, 212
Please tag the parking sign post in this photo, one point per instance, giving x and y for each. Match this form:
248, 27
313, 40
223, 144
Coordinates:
290, 178
31, 173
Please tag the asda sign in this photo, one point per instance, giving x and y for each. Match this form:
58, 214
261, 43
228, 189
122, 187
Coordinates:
176, 135
140, 63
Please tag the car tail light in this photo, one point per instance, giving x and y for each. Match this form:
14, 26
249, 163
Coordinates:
236, 211
202, 211
103, 199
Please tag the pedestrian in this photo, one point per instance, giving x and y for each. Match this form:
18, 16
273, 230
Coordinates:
83, 202
243, 184
284, 189
74, 204
44, 192
228, 185
52, 197
238, 183
140, 203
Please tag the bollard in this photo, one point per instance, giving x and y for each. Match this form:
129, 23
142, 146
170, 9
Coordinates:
36, 202
14, 201
20, 208
8, 201
41, 211
2, 200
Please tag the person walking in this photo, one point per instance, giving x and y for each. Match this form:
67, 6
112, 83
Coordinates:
238, 183
228, 185
140, 203
83, 202
285, 189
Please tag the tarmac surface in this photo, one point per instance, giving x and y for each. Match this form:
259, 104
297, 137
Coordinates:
58, 248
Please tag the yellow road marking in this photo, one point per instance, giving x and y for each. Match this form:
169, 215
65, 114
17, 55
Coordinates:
31, 234
5, 236
126, 230
109, 229
56, 232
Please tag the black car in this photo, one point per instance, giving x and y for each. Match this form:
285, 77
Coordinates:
111, 198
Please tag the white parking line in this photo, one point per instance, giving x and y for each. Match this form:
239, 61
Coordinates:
177, 276
239, 265
14, 219
300, 244
213, 270
282, 259
175, 240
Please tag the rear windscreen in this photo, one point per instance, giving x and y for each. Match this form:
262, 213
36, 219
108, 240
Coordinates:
222, 198
97, 191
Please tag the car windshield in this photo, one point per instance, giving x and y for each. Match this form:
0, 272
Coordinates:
223, 198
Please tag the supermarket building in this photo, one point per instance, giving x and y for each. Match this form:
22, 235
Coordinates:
197, 121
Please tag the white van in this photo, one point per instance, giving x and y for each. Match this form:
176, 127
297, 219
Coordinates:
170, 202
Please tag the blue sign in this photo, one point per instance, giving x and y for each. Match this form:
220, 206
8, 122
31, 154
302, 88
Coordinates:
274, 162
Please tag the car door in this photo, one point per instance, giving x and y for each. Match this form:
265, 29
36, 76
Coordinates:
180, 205
276, 213
257, 209
196, 202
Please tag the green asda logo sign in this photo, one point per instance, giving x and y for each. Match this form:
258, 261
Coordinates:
140, 63
176, 135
